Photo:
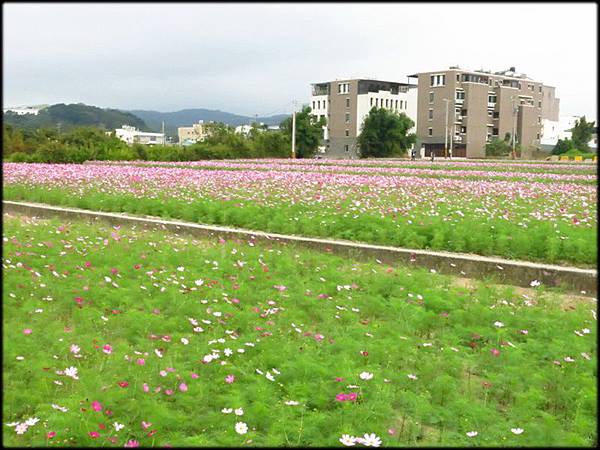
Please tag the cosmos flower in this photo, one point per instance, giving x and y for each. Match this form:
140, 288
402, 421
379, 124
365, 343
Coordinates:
348, 440
366, 376
371, 440
472, 433
241, 428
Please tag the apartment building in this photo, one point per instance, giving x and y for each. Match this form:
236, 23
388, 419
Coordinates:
132, 135
190, 135
468, 108
346, 103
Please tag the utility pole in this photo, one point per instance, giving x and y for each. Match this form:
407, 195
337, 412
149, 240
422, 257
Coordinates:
294, 131
451, 139
163, 133
446, 128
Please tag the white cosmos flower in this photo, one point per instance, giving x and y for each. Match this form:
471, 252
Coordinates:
71, 372
199, 282
535, 283
411, 376
348, 440
228, 352
371, 440
118, 426
12, 424
292, 403
498, 324
21, 428
158, 353
60, 408
472, 433
75, 349
366, 376
32, 421
259, 371
226, 410
569, 359
517, 430
269, 376
239, 412
181, 268
241, 428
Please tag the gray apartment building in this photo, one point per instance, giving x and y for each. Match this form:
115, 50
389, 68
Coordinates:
480, 105
346, 103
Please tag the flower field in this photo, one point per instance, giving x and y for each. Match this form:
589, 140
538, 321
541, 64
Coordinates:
119, 336
538, 212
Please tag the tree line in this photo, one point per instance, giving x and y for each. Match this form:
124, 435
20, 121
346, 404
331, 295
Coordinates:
384, 134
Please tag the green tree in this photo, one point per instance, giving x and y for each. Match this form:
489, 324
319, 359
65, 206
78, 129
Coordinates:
582, 133
562, 146
497, 147
309, 132
385, 133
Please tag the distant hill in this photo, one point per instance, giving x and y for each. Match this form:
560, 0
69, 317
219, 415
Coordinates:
73, 115
187, 117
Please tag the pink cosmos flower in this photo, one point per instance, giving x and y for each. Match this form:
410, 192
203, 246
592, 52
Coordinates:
168, 392
391, 431
145, 387
280, 288
96, 406
229, 379
338, 379
340, 397
94, 434
123, 384
235, 300
131, 443
163, 373
319, 337
114, 271
495, 352
183, 387
27, 331
351, 396
194, 375
140, 361
51, 434
107, 349
146, 424
88, 264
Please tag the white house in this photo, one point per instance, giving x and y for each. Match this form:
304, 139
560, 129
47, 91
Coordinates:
131, 135
552, 131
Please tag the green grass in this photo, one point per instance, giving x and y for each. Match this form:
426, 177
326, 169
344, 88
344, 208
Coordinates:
388, 312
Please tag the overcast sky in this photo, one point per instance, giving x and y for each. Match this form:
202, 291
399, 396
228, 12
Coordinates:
257, 58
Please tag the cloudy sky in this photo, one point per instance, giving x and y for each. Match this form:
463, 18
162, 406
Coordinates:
257, 58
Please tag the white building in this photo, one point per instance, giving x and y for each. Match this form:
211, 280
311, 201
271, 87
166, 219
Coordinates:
552, 131
132, 135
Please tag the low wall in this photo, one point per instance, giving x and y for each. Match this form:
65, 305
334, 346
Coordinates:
497, 270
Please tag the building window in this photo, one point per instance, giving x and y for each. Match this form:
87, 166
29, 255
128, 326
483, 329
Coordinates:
539, 119
396, 104
371, 101
347, 133
458, 77
438, 80
343, 88
463, 129
376, 103
386, 103
431, 97
538, 136
346, 148
491, 99
460, 95
430, 131
313, 104
495, 132
430, 114
496, 114
347, 103
539, 104
347, 117
463, 112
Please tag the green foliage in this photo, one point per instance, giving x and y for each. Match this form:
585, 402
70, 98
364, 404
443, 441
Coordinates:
497, 147
309, 132
582, 133
385, 133
563, 146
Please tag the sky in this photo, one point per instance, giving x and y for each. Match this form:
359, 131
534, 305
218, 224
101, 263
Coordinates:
259, 58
